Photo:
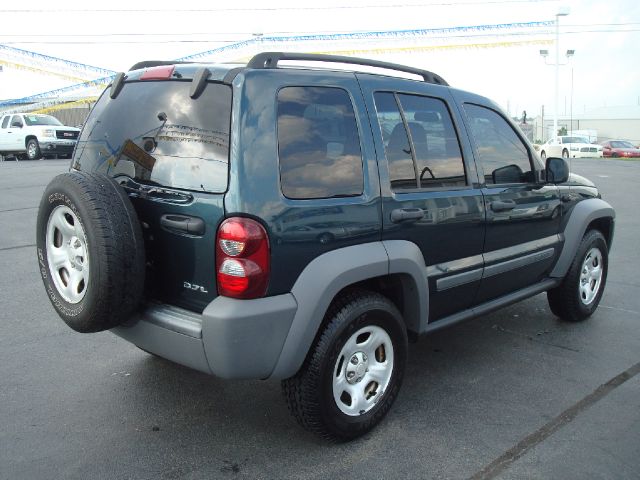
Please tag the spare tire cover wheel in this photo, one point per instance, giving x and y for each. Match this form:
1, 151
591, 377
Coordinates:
90, 251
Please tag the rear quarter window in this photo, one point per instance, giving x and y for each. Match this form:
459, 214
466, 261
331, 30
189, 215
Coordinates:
318, 143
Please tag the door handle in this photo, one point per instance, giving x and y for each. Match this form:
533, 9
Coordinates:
183, 223
400, 215
503, 206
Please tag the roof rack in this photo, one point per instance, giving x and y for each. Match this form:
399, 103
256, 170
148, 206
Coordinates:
271, 59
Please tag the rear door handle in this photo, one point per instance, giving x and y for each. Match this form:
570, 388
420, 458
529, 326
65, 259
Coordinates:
503, 206
400, 215
183, 223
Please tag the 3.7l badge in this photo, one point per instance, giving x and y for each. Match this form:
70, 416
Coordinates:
194, 287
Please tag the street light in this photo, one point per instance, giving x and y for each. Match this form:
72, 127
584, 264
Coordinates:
562, 12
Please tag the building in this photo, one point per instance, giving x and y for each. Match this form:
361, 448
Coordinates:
609, 122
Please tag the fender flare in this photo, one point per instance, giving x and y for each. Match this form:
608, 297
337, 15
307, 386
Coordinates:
326, 275
581, 216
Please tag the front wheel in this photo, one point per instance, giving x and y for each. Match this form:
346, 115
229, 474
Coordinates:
353, 373
33, 149
579, 294
565, 154
543, 155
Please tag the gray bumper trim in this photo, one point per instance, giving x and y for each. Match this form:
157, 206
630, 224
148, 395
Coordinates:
175, 319
166, 343
244, 338
231, 339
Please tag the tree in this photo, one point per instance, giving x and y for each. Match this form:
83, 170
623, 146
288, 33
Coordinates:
562, 131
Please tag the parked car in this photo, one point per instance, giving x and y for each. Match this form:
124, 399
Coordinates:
620, 148
192, 224
34, 135
569, 147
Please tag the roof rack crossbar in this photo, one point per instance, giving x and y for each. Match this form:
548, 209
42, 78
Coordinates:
271, 59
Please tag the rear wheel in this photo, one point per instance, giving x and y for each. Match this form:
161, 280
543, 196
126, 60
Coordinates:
579, 294
614, 155
543, 155
565, 154
354, 371
33, 149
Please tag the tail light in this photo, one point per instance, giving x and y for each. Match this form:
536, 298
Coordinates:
242, 258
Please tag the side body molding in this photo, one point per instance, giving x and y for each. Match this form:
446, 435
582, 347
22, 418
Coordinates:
319, 283
582, 215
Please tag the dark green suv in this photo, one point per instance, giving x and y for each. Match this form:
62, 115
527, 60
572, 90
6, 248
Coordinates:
301, 224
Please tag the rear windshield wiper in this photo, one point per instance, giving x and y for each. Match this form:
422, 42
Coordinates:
151, 189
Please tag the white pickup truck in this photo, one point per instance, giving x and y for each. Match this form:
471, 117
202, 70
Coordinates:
34, 136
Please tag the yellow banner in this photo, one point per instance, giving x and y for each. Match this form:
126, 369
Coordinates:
65, 105
410, 49
18, 66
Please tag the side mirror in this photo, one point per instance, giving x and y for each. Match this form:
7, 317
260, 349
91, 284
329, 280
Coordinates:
557, 170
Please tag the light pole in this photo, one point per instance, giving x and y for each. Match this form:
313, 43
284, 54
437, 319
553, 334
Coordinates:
562, 12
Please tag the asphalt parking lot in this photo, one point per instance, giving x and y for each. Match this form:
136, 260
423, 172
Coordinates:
515, 394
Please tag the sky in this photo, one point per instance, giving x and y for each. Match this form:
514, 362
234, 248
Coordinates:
115, 35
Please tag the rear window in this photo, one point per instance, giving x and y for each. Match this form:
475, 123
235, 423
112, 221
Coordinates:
156, 134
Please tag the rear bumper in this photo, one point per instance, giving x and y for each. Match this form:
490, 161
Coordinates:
230, 339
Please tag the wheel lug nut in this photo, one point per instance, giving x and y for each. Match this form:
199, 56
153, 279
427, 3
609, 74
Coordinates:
351, 375
77, 244
354, 360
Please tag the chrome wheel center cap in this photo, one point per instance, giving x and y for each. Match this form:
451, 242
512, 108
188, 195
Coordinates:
357, 367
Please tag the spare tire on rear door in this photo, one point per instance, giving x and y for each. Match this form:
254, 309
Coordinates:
90, 251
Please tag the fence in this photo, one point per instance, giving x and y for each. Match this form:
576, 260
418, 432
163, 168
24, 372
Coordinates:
73, 117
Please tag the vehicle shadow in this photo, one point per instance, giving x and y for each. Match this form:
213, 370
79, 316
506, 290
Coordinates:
457, 381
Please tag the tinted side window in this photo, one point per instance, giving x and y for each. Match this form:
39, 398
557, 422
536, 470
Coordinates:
16, 120
438, 161
5, 121
402, 171
504, 157
318, 143
437, 150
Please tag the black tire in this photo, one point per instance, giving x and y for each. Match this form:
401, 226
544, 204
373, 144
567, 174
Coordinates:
33, 149
565, 154
309, 394
566, 301
614, 155
113, 245
543, 155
